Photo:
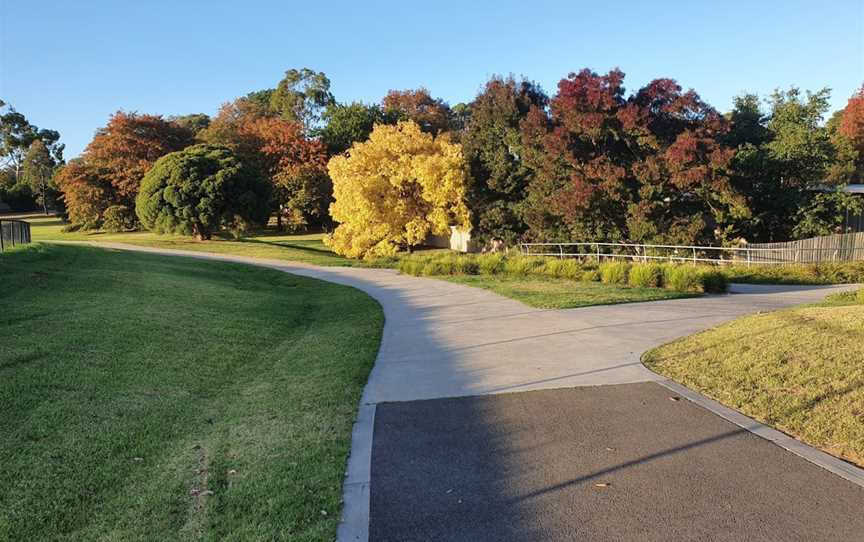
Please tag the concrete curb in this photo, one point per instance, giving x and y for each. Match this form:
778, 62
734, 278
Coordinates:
819, 458
354, 526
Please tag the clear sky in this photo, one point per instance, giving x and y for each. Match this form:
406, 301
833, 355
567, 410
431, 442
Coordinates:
69, 64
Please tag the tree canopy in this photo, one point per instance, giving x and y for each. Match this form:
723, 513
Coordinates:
394, 190
493, 148
199, 190
648, 167
432, 115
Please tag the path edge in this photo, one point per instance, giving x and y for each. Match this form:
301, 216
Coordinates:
835, 465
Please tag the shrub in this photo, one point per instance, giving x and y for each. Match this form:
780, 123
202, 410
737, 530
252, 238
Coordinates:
646, 275
565, 269
859, 296
490, 264
713, 281
118, 218
591, 275
199, 190
823, 273
466, 265
411, 266
614, 272
523, 265
435, 267
682, 278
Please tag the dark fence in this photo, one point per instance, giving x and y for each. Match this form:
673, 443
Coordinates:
13, 232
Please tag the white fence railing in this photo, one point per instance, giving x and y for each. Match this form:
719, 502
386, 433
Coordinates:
689, 253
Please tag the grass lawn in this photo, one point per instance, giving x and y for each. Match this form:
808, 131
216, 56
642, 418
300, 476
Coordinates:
800, 370
308, 248
554, 293
536, 291
164, 398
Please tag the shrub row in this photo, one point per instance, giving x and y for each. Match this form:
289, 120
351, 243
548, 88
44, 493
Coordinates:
815, 273
678, 277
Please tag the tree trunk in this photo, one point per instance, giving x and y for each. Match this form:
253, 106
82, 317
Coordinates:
199, 234
44, 196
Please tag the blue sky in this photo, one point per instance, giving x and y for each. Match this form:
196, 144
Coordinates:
68, 65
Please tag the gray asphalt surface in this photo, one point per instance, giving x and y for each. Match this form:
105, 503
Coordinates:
525, 466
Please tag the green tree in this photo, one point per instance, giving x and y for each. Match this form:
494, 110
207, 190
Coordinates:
199, 190
16, 136
194, 122
349, 124
301, 96
39, 167
493, 148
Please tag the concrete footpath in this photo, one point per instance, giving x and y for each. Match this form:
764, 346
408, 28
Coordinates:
526, 466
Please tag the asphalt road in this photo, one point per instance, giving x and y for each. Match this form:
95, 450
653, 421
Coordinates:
618, 462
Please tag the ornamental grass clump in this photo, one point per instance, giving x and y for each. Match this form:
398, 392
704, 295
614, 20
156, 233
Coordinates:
614, 272
714, 281
490, 264
682, 278
523, 265
562, 268
645, 275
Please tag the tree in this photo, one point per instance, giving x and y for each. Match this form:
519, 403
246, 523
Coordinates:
199, 190
194, 122
493, 148
296, 166
17, 134
87, 192
301, 96
128, 146
39, 168
848, 131
431, 114
349, 124
643, 168
394, 190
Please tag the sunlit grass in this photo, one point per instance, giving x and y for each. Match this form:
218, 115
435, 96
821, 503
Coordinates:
160, 398
799, 370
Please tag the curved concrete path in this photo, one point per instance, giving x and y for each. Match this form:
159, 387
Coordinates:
443, 340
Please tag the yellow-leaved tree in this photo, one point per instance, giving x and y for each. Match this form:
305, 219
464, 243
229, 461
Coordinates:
395, 189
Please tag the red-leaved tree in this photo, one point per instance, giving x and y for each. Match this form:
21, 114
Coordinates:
648, 167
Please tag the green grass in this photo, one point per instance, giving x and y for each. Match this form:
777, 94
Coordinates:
799, 370
552, 293
307, 248
134, 385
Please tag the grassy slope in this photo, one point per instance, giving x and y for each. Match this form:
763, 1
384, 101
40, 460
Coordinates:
134, 384
299, 248
799, 370
552, 293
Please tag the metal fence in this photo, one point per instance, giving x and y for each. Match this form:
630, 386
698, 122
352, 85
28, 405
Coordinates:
13, 232
695, 254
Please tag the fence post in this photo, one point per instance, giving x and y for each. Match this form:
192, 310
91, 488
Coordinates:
694, 256
2, 247
598, 253
561, 251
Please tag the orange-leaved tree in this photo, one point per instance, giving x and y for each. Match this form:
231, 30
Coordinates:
109, 171
394, 190
295, 164
431, 114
